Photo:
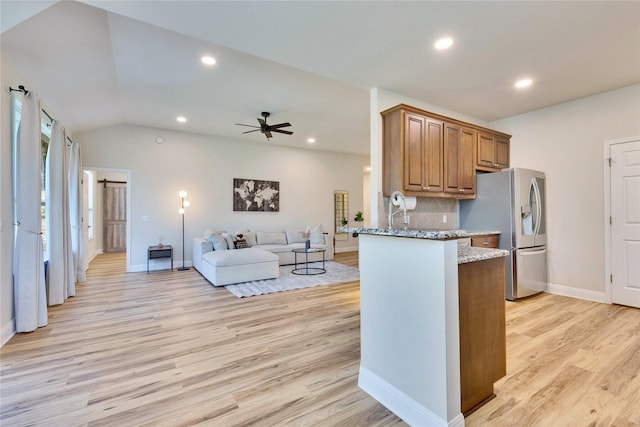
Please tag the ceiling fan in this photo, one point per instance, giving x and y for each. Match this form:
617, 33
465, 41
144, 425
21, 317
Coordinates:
265, 128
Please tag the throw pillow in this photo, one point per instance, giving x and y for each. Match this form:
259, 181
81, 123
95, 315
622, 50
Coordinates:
229, 238
297, 236
218, 240
208, 233
271, 238
240, 243
315, 234
250, 237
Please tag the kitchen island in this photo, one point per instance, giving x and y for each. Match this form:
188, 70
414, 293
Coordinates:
414, 316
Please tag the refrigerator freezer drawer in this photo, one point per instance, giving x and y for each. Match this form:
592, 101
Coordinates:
531, 271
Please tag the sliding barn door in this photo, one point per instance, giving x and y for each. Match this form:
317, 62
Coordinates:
115, 217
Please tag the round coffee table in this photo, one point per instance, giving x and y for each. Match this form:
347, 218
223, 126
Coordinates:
305, 270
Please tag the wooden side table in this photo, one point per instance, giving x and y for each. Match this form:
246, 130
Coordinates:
156, 252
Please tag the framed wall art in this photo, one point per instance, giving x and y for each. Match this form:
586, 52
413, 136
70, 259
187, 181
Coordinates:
254, 195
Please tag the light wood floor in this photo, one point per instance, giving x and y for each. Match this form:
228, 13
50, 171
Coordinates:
170, 349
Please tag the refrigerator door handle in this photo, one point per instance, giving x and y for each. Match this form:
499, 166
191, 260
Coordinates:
538, 213
530, 252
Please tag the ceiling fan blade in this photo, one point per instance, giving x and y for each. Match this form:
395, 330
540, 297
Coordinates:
281, 125
249, 131
268, 134
251, 126
286, 132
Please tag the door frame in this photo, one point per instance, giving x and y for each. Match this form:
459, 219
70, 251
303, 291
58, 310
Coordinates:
127, 173
607, 213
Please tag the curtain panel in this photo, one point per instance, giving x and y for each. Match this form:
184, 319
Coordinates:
28, 267
61, 283
75, 210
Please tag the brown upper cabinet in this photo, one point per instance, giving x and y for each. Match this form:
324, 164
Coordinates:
459, 166
492, 152
429, 155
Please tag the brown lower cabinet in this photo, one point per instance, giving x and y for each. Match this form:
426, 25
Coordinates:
483, 345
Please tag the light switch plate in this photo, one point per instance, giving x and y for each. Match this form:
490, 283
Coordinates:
144, 218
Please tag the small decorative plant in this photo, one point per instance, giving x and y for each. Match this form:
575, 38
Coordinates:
358, 218
344, 221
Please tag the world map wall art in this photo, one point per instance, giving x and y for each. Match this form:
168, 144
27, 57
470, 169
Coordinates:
254, 195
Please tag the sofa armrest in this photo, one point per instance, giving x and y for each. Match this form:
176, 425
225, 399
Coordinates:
200, 247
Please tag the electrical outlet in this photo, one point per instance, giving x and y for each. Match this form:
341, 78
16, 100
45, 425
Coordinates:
444, 219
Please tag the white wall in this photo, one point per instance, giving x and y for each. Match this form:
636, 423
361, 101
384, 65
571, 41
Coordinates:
205, 167
566, 142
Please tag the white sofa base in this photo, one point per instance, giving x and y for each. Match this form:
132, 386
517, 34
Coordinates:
243, 265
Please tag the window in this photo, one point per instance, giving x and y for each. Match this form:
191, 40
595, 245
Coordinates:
45, 136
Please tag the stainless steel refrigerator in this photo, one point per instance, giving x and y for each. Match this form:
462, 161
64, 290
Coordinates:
513, 202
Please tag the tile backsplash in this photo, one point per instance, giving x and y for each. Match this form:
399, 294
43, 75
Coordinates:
427, 214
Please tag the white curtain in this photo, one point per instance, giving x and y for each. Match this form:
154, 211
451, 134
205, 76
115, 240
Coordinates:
75, 209
28, 259
61, 272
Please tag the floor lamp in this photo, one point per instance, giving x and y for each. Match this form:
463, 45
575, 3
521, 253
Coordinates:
184, 203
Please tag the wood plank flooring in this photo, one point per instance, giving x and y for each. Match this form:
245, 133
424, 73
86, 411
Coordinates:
169, 349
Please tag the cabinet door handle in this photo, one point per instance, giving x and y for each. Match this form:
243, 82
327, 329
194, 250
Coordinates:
485, 243
461, 190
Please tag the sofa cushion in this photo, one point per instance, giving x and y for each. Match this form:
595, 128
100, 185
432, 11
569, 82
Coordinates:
271, 238
243, 257
229, 238
276, 249
218, 241
250, 237
315, 234
297, 236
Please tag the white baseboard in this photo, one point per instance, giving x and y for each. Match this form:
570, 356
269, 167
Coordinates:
346, 249
7, 331
568, 291
157, 265
400, 404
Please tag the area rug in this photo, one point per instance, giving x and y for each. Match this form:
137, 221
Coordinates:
336, 273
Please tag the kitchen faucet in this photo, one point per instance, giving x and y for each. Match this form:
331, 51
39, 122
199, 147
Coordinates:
403, 208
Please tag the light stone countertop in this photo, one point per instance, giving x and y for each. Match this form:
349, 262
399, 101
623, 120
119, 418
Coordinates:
465, 253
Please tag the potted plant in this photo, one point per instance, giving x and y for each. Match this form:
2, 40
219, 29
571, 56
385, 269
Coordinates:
358, 218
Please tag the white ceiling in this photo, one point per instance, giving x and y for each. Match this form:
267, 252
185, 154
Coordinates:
312, 63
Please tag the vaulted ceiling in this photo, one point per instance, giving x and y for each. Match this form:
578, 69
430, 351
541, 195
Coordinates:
312, 63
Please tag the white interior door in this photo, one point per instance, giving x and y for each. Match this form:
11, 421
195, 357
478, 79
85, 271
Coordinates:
625, 223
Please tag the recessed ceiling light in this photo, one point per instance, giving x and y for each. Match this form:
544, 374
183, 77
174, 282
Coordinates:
523, 83
208, 60
311, 140
181, 119
443, 43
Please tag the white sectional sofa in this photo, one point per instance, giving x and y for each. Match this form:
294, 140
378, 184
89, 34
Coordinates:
216, 258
